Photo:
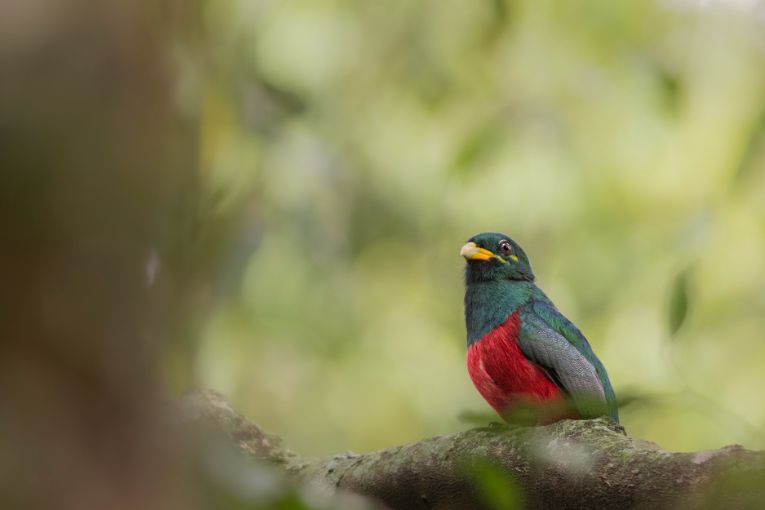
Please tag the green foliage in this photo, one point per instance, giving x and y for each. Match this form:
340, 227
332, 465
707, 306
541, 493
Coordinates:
754, 150
496, 487
629, 397
747, 485
352, 147
478, 418
678, 302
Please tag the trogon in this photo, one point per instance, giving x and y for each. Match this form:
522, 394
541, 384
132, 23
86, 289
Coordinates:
522, 353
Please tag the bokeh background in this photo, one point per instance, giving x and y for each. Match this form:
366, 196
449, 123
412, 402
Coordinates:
267, 198
619, 143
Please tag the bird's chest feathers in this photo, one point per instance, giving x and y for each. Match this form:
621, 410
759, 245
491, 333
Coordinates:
502, 373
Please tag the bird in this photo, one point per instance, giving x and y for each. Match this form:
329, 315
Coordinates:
525, 358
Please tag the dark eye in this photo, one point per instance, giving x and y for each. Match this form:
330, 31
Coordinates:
505, 247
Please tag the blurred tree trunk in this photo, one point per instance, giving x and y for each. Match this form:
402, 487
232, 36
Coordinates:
570, 464
94, 161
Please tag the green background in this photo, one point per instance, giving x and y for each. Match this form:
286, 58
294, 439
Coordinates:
618, 143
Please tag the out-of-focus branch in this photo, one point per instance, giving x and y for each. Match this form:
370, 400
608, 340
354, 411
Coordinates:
570, 464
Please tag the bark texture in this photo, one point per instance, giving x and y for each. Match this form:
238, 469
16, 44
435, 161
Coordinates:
569, 464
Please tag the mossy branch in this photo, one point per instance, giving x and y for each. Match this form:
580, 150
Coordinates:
569, 464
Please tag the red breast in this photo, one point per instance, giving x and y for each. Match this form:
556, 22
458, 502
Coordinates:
504, 376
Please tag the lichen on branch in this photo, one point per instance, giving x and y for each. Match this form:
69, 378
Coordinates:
569, 464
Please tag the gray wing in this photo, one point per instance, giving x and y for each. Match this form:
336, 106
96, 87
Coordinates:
567, 367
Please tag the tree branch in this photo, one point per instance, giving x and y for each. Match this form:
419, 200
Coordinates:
569, 464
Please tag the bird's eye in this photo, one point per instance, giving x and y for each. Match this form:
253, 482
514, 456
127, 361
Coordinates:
505, 247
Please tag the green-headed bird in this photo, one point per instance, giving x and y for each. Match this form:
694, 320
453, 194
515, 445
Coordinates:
522, 352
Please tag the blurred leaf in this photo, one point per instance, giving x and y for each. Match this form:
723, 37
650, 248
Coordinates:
678, 302
499, 22
753, 150
671, 89
499, 8
477, 418
631, 397
496, 487
747, 485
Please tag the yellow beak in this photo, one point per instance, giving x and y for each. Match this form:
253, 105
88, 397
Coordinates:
472, 251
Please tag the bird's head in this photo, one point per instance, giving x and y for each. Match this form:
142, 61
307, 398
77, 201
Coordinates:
494, 256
